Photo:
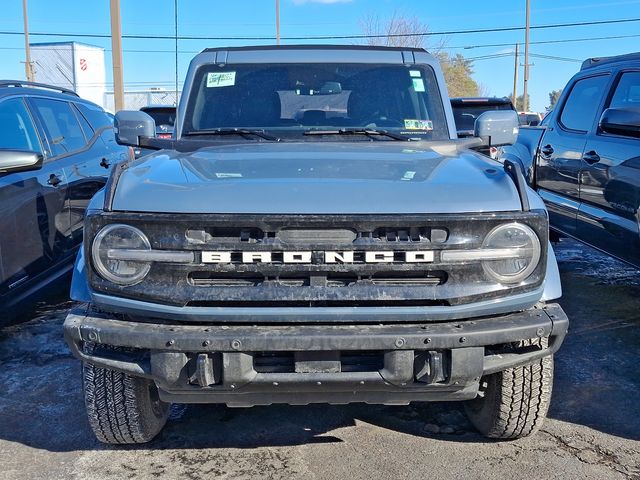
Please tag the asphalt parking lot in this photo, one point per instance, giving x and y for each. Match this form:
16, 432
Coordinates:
593, 430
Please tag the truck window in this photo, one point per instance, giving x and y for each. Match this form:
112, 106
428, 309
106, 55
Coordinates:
581, 107
465, 115
627, 94
293, 98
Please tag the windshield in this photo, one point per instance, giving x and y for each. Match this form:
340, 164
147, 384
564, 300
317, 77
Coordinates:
528, 118
465, 115
162, 116
290, 99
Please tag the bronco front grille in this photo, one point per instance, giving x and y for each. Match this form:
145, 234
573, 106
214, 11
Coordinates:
316, 282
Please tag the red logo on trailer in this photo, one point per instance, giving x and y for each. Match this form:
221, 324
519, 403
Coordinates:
83, 64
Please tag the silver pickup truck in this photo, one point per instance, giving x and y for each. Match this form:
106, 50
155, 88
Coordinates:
315, 232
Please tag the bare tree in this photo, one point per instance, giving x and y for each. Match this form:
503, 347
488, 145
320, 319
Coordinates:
397, 32
483, 90
408, 31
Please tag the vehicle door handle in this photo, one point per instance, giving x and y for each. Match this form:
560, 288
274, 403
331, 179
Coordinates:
547, 151
105, 163
591, 157
54, 180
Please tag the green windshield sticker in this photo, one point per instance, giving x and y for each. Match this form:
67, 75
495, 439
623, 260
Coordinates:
221, 79
426, 125
418, 84
415, 73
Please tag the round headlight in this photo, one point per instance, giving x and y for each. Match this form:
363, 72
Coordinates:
105, 259
521, 248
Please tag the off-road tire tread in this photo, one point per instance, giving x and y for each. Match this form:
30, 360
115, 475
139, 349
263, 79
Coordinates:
119, 407
516, 400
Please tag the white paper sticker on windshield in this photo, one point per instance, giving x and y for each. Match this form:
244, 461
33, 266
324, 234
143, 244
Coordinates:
418, 84
415, 73
426, 125
221, 79
228, 175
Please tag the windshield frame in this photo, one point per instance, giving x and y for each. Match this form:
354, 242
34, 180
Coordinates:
431, 103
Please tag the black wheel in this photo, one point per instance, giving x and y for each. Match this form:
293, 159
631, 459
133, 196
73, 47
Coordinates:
513, 403
122, 409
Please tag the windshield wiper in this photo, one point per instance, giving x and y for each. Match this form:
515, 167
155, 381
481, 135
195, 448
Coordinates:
245, 132
369, 132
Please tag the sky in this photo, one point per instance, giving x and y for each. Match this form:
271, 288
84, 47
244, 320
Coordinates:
151, 62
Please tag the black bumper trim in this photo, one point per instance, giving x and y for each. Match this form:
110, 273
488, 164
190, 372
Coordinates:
170, 345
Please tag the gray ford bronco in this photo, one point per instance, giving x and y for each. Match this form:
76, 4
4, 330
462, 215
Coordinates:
315, 232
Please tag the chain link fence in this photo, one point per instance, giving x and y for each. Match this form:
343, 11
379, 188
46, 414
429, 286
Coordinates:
134, 100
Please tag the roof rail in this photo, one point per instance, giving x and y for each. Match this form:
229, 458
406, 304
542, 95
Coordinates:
22, 83
595, 62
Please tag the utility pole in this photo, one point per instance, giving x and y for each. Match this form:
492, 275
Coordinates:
525, 97
515, 76
116, 49
28, 66
278, 22
175, 18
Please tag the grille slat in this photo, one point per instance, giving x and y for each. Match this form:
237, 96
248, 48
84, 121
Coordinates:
212, 279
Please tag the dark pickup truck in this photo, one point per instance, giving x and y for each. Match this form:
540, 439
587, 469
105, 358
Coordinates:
584, 160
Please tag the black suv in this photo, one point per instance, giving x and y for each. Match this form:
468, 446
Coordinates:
56, 151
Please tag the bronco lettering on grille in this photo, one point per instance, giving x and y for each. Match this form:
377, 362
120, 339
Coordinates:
378, 256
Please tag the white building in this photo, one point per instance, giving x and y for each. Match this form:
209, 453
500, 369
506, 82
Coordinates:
76, 66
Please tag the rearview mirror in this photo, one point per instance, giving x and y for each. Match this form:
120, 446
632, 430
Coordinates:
132, 125
497, 127
19, 161
621, 121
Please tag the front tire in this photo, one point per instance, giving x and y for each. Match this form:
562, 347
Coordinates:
513, 403
122, 409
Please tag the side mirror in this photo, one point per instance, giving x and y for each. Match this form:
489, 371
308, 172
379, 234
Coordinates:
497, 127
19, 161
131, 125
621, 121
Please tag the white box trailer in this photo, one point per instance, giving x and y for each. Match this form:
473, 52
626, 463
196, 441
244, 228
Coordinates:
76, 66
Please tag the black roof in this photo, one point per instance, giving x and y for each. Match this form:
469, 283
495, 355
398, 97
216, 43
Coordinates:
315, 47
598, 61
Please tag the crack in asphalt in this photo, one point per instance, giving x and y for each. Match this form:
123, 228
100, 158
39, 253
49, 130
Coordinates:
604, 457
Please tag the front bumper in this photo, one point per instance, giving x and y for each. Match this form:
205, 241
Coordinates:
243, 365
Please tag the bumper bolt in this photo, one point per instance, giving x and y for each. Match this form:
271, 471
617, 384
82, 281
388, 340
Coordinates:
170, 343
236, 344
540, 332
463, 339
93, 336
206, 343
400, 342
427, 340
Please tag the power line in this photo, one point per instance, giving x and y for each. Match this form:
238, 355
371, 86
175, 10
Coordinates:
464, 47
545, 42
536, 55
333, 37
